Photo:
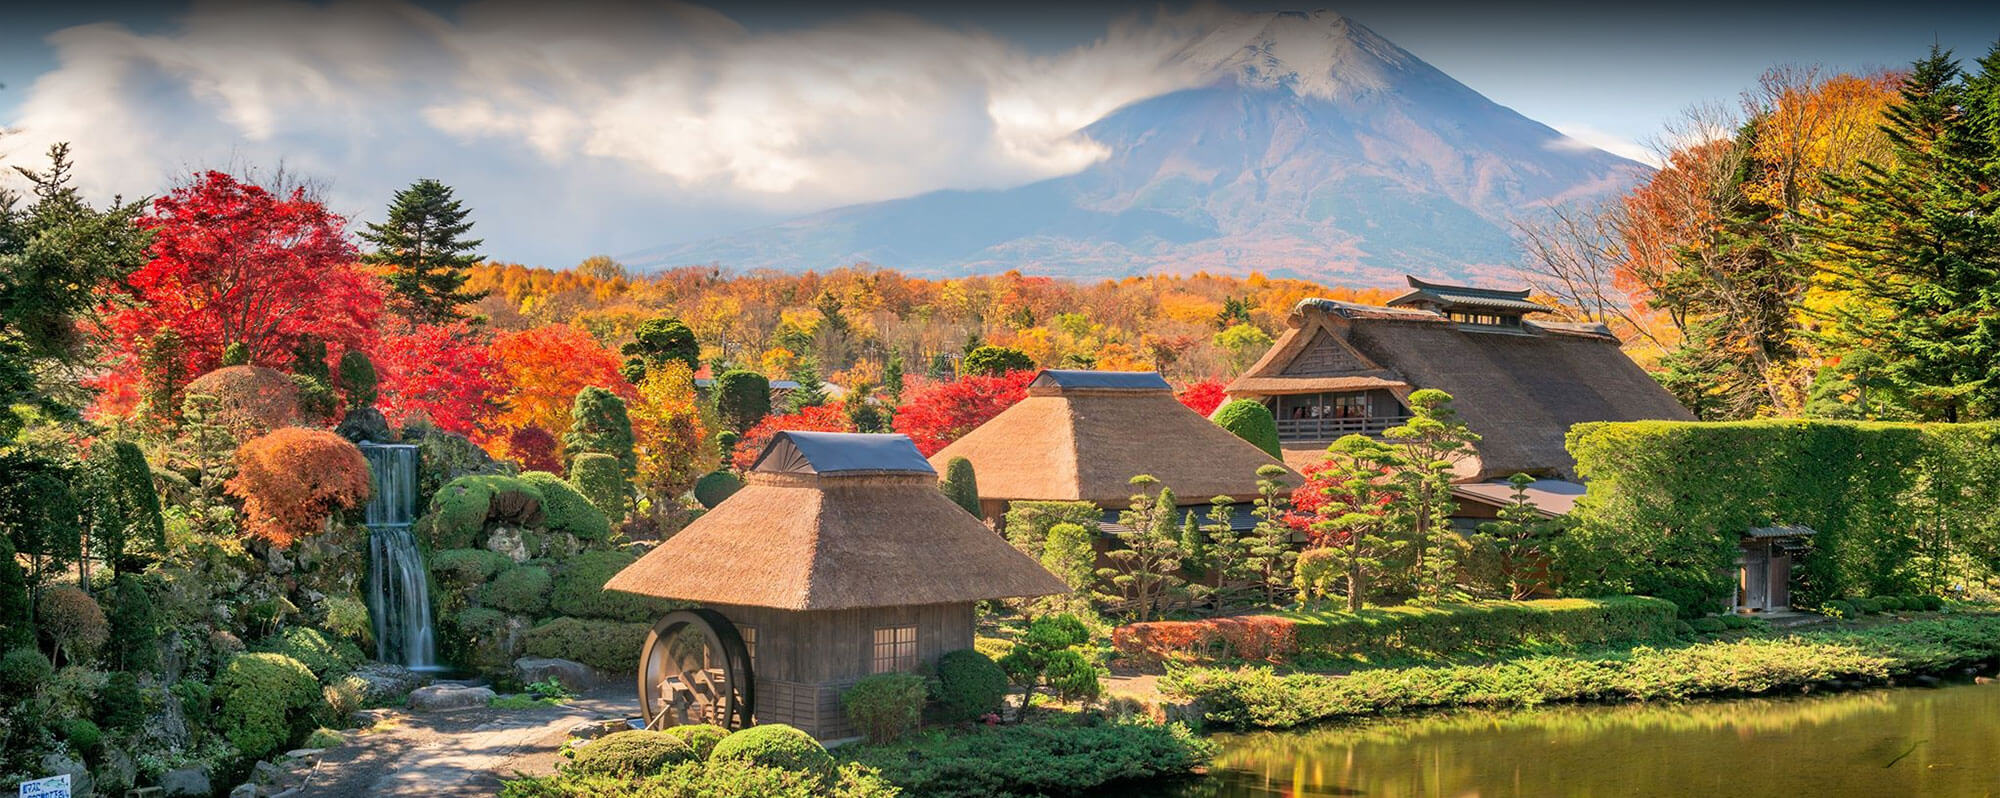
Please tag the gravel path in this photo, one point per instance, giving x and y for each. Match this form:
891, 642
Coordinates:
457, 753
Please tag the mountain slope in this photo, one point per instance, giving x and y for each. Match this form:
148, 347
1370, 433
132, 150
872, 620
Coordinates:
1317, 149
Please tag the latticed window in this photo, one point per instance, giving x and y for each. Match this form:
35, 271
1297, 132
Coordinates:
895, 649
749, 635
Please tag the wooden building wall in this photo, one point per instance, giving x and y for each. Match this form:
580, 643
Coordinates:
805, 660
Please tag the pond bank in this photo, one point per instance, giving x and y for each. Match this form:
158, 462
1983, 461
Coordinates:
1834, 658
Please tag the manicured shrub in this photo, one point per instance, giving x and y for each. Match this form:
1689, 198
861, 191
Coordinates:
604, 644
348, 617
443, 457
700, 737
1707, 626
461, 510
1039, 759
579, 590
119, 705
742, 398
600, 423
715, 486
631, 753
1250, 420
134, 625
22, 670
602, 480
566, 510
251, 400
708, 780
1868, 606
74, 622
885, 705
1932, 603
970, 685
522, 590
960, 485
291, 479
774, 745
266, 700
1028, 523
993, 361
82, 734
465, 569
327, 658
1733, 622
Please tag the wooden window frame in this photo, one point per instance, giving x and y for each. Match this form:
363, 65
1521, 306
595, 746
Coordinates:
749, 635
894, 649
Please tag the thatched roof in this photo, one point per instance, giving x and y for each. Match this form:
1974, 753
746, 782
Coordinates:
1076, 437
833, 521
1520, 389
1438, 295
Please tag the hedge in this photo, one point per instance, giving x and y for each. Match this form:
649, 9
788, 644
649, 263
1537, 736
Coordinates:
1892, 504
579, 590
1036, 759
566, 510
522, 590
707, 780
774, 745
266, 702
1407, 631
609, 645
631, 753
1250, 420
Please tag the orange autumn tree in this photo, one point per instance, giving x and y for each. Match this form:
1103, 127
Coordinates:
539, 372
290, 480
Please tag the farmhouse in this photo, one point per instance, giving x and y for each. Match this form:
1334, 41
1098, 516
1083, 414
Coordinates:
1083, 435
838, 560
1343, 368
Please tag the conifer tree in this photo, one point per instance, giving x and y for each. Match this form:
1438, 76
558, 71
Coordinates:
1426, 449
1269, 556
1519, 540
1146, 568
599, 423
654, 344
892, 379
1353, 517
1917, 243
961, 485
422, 243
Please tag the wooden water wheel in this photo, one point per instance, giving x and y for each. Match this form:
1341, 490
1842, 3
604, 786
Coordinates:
695, 669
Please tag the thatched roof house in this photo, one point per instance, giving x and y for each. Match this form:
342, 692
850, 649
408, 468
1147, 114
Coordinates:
1344, 368
839, 558
1083, 435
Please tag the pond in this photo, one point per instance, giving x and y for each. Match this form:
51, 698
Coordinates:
1903, 742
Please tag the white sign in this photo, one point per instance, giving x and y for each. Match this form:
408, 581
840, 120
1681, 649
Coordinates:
51, 787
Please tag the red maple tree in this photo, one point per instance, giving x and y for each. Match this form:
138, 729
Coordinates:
830, 417
539, 371
291, 479
935, 414
1202, 397
235, 263
440, 373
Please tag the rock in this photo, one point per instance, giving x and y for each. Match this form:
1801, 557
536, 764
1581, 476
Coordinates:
439, 697
244, 791
265, 772
1982, 680
116, 772
575, 676
186, 782
304, 753
274, 559
1927, 680
591, 730
368, 718
386, 682
511, 542
79, 774
366, 424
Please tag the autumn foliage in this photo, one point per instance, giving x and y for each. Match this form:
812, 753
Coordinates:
935, 414
250, 400
291, 479
539, 372
1202, 397
440, 373
1252, 637
823, 418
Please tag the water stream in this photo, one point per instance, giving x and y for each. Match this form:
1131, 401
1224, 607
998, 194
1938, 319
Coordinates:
1900, 742
399, 597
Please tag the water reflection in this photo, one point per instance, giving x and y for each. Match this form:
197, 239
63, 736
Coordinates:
1909, 742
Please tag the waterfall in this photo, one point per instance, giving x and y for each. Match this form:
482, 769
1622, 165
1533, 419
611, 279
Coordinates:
399, 596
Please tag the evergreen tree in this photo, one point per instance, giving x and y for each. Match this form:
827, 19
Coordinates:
1067, 553
996, 360
657, 342
236, 353
1917, 244
16, 611
314, 379
960, 485
1269, 555
164, 373
1427, 447
742, 398
1228, 551
134, 620
866, 414
422, 243
811, 391
358, 379
1146, 567
1518, 541
892, 378
1354, 515
599, 423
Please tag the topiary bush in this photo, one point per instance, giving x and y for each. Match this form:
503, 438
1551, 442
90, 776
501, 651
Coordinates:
970, 685
134, 625
462, 570
461, 510
1250, 420
265, 701
701, 737
22, 670
566, 510
522, 590
601, 479
1932, 603
994, 361
1708, 626
742, 398
774, 745
631, 753
715, 486
443, 457
579, 590
83, 735
250, 400
291, 479
960, 485
327, 658
74, 622
609, 645
885, 705
357, 379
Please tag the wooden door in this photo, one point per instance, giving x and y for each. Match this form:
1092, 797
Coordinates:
1756, 575
1780, 580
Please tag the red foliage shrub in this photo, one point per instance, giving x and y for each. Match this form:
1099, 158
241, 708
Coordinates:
1202, 397
535, 449
291, 479
1309, 497
1265, 638
831, 417
252, 400
938, 413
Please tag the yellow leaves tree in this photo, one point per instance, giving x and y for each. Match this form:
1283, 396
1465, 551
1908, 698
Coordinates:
671, 441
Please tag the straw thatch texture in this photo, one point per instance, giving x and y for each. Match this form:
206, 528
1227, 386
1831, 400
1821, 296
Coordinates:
802, 542
1520, 390
1071, 444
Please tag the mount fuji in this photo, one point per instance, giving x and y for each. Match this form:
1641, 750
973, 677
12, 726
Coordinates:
1314, 148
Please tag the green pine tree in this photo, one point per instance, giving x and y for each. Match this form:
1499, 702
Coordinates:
422, 243
1426, 450
961, 485
599, 423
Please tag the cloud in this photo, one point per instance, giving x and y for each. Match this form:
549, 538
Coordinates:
1585, 137
575, 128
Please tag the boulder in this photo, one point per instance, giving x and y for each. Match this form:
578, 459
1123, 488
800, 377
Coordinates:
366, 424
186, 782
79, 775
244, 791
593, 729
386, 682
575, 676
517, 544
440, 697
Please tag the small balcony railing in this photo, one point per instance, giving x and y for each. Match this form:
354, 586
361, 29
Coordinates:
1331, 429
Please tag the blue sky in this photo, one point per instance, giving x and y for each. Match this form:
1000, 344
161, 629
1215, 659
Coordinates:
553, 123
